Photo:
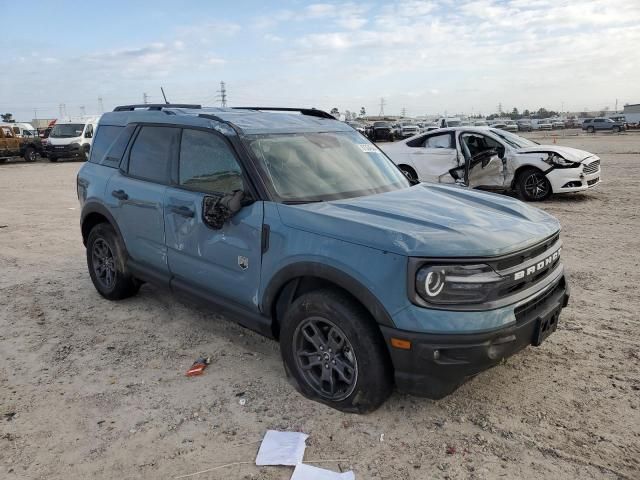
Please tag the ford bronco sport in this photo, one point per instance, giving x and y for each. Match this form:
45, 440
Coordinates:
301, 229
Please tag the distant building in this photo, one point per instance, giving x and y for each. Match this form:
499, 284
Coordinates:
635, 108
41, 122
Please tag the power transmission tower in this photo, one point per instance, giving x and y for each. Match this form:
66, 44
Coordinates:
223, 95
500, 108
83, 111
382, 104
101, 105
404, 112
145, 98
63, 110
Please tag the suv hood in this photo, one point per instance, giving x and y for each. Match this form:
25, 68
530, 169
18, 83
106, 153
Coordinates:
427, 220
568, 153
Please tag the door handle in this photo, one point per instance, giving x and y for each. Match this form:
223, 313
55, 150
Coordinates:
120, 194
182, 210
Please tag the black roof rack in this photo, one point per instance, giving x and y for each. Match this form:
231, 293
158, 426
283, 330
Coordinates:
154, 106
313, 112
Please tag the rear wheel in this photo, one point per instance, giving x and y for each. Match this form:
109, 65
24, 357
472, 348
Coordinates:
409, 172
591, 129
616, 129
334, 352
106, 263
533, 186
30, 154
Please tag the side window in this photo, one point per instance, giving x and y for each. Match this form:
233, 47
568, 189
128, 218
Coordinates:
417, 142
151, 153
207, 163
599, 120
442, 140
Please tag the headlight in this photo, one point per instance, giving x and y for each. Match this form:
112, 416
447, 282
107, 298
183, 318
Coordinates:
556, 160
456, 284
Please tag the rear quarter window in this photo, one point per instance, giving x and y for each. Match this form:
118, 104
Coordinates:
109, 144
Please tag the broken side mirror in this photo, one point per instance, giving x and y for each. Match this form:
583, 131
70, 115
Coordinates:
217, 209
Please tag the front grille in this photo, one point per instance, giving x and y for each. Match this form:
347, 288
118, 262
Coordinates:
593, 167
522, 257
593, 182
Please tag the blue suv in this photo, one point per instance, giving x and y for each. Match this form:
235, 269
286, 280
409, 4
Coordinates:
297, 226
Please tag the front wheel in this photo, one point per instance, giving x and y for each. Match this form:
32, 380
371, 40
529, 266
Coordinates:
106, 263
533, 185
591, 130
30, 154
616, 129
334, 352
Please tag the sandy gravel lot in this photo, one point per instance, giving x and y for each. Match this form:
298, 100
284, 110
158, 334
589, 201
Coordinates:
93, 389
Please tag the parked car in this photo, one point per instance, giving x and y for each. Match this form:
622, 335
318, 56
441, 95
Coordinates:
406, 130
359, 127
544, 124
524, 126
71, 139
381, 131
12, 146
496, 160
596, 124
510, 126
21, 129
557, 124
480, 123
297, 227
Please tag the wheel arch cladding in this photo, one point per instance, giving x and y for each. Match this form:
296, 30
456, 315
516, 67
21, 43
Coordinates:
92, 215
300, 278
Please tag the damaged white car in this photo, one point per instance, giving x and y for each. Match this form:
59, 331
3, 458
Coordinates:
492, 159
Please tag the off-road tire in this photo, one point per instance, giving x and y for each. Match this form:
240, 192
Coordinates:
123, 284
524, 185
30, 154
373, 373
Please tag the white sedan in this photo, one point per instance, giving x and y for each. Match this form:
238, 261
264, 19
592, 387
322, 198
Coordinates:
493, 159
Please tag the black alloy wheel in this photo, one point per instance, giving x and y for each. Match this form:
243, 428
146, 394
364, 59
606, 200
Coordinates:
326, 358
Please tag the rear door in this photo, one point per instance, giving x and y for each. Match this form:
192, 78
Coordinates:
221, 262
136, 196
433, 156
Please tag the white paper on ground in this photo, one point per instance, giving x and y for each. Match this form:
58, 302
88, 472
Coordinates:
281, 448
307, 472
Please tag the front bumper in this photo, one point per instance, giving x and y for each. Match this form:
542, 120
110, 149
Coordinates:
568, 180
72, 150
437, 364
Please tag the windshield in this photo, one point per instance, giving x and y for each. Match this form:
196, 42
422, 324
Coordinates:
380, 124
515, 141
453, 123
311, 167
67, 130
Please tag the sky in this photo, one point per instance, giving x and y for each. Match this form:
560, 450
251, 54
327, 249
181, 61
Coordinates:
426, 57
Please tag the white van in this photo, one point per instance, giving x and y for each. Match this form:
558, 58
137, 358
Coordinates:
21, 130
71, 139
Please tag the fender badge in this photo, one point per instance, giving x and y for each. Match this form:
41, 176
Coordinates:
243, 262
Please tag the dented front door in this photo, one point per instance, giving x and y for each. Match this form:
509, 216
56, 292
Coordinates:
486, 163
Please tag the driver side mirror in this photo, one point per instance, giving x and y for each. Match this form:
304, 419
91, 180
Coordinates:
217, 209
88, 134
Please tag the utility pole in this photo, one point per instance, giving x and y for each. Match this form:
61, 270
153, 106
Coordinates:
63, 110
101, 105
35, 114
223, 95
382, 104
145, 98
616, 105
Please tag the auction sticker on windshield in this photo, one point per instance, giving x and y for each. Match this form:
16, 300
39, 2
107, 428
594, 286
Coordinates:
367, 148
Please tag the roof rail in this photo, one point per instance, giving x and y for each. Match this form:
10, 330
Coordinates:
154, 106
313, 112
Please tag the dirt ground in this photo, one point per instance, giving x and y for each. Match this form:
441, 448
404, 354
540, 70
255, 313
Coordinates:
94, 389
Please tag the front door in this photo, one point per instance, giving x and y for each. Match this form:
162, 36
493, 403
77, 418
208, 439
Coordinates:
136, 197
484, 159
221, 262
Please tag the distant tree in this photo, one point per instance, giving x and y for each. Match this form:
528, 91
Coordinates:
526, 113
348, 115
515, 115
335, 112
7, 117
363, 112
